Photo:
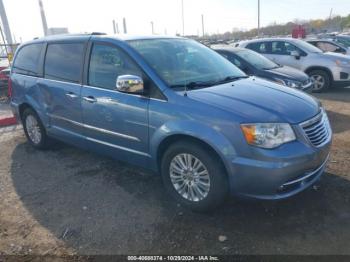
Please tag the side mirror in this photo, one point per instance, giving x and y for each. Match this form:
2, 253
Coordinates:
296, 54
130, 84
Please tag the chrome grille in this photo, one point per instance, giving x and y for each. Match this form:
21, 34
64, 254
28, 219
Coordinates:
317, 129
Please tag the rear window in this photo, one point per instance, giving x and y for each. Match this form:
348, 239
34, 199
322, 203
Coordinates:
27, 60
64, 61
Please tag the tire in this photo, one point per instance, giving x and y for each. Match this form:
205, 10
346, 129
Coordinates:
207, 198
322, 81
34, 129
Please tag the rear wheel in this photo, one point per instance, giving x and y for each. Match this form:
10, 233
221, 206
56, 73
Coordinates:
321, 79
34, 129
194, 176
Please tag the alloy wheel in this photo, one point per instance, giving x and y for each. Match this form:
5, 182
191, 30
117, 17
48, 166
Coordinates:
33, 129
190, 177
319, 82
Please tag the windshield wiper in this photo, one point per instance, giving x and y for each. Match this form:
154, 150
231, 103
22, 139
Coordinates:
228, 79
199, 84
193, 85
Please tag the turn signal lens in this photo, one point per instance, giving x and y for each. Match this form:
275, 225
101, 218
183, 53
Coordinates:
249, 133
268, 135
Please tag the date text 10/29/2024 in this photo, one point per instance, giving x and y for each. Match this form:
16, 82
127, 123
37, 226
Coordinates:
172, 258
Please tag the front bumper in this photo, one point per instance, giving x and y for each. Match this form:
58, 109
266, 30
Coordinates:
277, 180
341, 76
281, 172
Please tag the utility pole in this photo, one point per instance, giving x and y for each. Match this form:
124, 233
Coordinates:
6, 26
152, 27
117, 27
258, 18
43, 18
203, 25
124, 25
183, 18
330, 14
114, 28
329, 20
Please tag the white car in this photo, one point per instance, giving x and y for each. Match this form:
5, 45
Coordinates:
326, 69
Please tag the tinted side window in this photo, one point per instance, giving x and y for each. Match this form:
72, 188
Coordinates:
283, 48
107, 63
64, 61
27, 60
279, 48
260, 47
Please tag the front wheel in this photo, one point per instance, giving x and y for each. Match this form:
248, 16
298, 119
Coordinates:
194, 176
321, 79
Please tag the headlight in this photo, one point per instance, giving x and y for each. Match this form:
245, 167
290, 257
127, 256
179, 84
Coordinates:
268, 135
289, 83
342, 62
293, 84
280, 81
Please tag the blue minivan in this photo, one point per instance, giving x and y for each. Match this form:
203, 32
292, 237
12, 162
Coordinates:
173, 106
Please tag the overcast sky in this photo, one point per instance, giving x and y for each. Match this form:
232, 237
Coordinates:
219, 15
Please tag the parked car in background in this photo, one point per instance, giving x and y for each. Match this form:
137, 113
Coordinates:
329, 46
176, 107
253, 63
4, 73
326, 69
342, 39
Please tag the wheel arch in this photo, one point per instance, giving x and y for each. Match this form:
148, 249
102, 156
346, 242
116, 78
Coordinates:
322, 68
30, 103
170, 140
22, 107
211, 140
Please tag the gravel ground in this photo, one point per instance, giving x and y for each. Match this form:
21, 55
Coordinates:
68, 201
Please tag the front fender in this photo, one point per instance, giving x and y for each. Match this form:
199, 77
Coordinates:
190, 128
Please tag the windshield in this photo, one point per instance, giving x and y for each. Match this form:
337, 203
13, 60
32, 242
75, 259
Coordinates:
307, 47
184, 62
257, 60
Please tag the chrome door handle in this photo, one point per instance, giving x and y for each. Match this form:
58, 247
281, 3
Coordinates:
71, 95
90, 99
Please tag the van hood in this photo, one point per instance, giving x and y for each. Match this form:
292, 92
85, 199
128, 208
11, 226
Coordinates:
259, 101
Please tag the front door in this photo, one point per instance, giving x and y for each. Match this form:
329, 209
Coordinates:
115, 122
281, 53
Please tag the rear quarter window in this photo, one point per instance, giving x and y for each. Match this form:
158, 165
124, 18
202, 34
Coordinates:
27, 60
64, 61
